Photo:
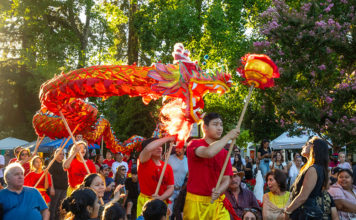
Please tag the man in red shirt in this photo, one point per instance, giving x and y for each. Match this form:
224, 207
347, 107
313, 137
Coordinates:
149, 170
109, 161
75, 166
205, 160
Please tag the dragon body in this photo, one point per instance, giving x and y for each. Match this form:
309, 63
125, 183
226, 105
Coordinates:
183, 80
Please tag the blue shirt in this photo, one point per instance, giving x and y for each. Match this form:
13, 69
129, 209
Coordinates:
26, 205
180, 169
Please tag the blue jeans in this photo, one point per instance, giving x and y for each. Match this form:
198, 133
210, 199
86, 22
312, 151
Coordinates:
264, 166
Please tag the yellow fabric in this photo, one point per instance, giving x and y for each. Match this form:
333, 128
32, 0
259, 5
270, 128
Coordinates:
70, 191
141, 200
199, 207
279, 201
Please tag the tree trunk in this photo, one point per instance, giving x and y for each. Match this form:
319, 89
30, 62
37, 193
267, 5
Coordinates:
132, 52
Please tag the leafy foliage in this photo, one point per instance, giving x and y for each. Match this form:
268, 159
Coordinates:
314, 46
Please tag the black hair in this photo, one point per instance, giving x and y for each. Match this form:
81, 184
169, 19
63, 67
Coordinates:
345, 170
321, 156
77, 203
154, 209
280, 178
209, 117
147, 141
113, 211
264, 141
254, 211
97, 157
134, 169
238, 163
89, 179
335, 170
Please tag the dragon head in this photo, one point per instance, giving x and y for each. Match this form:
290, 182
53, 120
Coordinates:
186, 80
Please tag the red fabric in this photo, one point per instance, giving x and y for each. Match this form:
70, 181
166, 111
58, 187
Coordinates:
26, 166
77, 172
228, 206
148, 177
332, 164
204, 172
31, 180
13, 160
109, 163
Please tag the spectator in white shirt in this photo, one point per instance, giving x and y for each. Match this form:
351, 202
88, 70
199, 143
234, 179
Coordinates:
294, 169
119, 162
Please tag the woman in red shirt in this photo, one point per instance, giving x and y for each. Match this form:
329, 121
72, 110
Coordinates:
23, 158
75, 166
36, 173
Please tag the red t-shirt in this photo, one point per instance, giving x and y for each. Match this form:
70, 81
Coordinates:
77, 172
109, 163
204, 172
31, 180
13, 160
26, 166
148, 177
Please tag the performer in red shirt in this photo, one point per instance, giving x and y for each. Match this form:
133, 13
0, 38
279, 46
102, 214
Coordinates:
36, 173
24, 157
149, 170
205, 160
75, 166
109, 161
16, 153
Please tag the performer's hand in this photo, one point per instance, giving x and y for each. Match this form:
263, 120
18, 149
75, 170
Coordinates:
233, 134
215, 195
156, 197
77, 148
172, 138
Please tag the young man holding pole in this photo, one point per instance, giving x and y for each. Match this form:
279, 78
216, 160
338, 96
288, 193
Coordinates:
205, 161
149, 170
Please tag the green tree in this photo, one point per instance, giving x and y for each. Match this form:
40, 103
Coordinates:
39, 39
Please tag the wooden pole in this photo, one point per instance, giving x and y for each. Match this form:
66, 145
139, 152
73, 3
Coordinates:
102, 146
54, 158
163, 170
238, 126
74, 141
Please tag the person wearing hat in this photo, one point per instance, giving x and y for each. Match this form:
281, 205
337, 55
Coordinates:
334, 160
119, 162
240, 197
206, 157
132, 191
109, 182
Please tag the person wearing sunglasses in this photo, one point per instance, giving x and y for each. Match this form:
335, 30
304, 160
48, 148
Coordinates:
16, 152
24, 157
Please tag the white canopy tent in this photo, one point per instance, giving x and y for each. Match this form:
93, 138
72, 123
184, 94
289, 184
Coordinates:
285, 141
10, 143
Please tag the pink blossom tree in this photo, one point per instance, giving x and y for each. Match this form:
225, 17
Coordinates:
314, 45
